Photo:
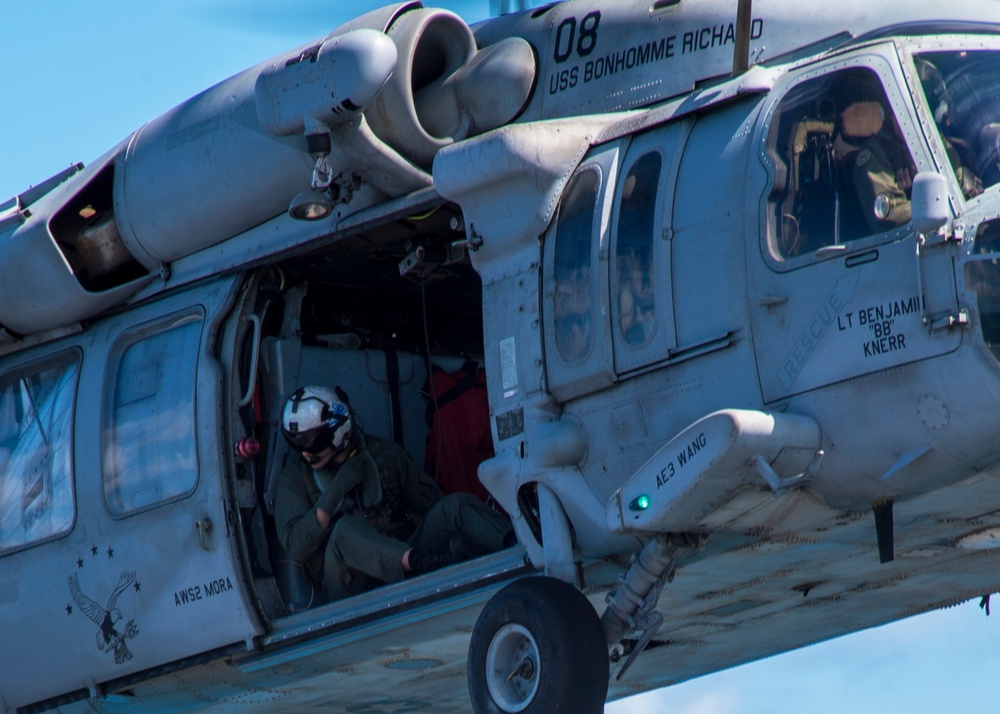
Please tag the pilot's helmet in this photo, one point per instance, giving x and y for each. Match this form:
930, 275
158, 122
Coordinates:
315, 419
934, 89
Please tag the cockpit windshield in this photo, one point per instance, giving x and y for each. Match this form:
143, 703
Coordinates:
963, 91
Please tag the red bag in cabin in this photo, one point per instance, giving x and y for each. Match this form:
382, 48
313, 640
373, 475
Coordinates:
459, 437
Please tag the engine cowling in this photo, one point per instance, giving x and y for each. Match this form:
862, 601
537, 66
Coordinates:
392, 87
445, 90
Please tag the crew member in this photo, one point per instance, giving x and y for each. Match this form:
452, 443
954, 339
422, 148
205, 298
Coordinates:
874, 156
357, 511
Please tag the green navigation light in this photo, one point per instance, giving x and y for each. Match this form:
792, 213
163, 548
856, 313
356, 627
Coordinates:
639, 503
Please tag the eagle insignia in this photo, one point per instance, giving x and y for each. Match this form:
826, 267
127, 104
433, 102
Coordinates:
108, 619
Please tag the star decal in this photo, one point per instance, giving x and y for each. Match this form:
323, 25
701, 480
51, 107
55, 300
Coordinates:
111, 552
79, 563
69, 609
136, 586
93, 550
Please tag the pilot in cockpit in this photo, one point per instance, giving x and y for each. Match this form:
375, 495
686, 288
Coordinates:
874, 156
960, 154
356, 510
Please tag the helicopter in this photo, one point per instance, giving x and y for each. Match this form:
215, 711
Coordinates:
730, 276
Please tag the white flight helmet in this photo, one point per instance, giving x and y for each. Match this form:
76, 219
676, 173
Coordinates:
315, 419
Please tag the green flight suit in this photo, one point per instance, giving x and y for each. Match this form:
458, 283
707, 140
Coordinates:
874, 173
381, 504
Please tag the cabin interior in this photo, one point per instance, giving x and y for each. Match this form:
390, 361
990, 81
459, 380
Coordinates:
371, 313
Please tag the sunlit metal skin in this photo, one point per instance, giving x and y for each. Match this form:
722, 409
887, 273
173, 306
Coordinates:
714, 287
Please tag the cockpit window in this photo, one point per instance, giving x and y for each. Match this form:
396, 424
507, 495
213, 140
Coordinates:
842, 169
150, 445
573, 313
963, 92
36, 452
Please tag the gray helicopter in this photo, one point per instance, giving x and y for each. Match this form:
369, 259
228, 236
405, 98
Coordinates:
729, 276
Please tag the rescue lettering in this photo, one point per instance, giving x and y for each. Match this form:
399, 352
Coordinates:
810, 338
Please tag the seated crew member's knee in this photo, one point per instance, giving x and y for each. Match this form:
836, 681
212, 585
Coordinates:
482, 529
348, 535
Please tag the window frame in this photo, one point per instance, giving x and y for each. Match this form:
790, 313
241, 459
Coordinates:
621, 336
118, 349
569, 379
574, 244
884, 62
670, 142
72, 360
909, 49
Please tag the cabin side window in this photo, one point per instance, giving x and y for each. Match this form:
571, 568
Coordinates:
842, 170
573, 308
36, 452
576, 277
635, 288
150, 444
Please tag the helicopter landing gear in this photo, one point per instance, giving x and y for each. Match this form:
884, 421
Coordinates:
538, 648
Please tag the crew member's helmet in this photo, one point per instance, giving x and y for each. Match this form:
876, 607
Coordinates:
314, 419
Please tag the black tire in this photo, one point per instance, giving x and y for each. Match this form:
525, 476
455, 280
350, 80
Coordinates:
547, 632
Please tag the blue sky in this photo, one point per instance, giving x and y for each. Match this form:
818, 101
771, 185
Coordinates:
944, 661
80, 76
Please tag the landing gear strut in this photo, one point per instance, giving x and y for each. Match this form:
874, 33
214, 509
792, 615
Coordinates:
538, 648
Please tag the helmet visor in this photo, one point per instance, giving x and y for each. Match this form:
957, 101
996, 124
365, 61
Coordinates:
312, 441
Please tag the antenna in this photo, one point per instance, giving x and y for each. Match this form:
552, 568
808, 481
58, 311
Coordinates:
741, 50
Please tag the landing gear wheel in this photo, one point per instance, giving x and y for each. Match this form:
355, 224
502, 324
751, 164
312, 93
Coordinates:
538, 648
